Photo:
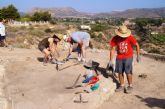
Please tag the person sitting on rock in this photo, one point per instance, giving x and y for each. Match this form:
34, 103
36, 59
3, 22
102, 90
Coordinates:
48, 46
79, 41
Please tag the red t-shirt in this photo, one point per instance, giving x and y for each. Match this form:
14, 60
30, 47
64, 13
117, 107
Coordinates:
123, 46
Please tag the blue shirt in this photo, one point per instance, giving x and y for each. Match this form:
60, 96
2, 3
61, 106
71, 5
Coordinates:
80, 36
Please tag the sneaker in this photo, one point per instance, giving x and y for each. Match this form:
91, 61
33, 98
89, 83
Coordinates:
119, 89
129, 89
79, 59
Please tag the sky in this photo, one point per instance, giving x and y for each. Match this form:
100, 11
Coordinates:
93, 6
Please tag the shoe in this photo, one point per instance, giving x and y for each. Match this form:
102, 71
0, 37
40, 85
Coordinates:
129, 89
79, 59
119, 89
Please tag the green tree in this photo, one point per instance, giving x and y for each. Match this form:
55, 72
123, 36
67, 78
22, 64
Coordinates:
41, 16
10, 12
156, 22
140, 29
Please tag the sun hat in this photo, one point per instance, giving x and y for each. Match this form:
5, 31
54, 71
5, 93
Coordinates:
123, 31
58, 37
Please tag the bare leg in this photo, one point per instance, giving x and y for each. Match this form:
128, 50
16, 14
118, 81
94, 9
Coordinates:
121, 79
129, 79
47, 54
5, 44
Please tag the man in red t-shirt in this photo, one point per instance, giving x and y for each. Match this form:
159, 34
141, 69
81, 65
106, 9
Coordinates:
123, 43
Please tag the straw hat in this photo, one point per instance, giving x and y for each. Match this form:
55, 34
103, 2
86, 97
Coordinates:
123, 31
58, 36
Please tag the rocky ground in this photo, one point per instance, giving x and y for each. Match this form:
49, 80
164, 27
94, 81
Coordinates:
27, 84
148, 93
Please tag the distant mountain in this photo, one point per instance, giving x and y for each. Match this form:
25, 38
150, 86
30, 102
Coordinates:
143, 12
130, 13
62, 12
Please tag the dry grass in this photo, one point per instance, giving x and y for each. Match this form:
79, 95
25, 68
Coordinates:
27, 37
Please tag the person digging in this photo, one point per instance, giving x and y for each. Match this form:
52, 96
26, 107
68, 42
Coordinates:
123, 43
48, 46
79, 42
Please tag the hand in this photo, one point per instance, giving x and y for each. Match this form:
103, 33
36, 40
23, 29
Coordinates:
69, 55
110, 63
138, 58
110, 67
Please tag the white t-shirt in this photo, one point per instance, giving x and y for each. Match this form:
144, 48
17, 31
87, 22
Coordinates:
80, 36
2, 29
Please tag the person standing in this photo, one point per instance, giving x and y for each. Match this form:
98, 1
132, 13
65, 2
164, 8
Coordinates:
123, 43
79, 41
2, 33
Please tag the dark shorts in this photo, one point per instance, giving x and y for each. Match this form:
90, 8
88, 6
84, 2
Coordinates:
41, 47
76, 48
124, 65
2, 38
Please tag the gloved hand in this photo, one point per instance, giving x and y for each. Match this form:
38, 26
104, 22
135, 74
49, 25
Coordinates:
110, 68
138, 58
110, 63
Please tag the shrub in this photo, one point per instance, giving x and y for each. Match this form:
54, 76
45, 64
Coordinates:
48, 30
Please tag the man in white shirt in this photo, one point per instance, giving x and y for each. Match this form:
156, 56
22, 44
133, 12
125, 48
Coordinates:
79, 41
2, 33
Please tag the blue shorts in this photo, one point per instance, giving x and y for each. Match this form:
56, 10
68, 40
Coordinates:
124, 65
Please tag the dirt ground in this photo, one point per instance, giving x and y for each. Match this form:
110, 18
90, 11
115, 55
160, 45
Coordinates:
31, 85
148, 93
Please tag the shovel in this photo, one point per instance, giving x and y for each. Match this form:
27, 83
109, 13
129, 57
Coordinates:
75, 83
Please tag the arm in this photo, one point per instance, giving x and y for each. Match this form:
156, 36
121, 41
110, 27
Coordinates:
112, 53
137, 52
82, 48
70, 49
53, 48
137, 49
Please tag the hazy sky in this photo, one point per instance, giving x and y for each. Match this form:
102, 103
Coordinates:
84, 5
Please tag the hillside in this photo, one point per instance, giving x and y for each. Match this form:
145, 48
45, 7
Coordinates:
62, 12
130, 13
144, 12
